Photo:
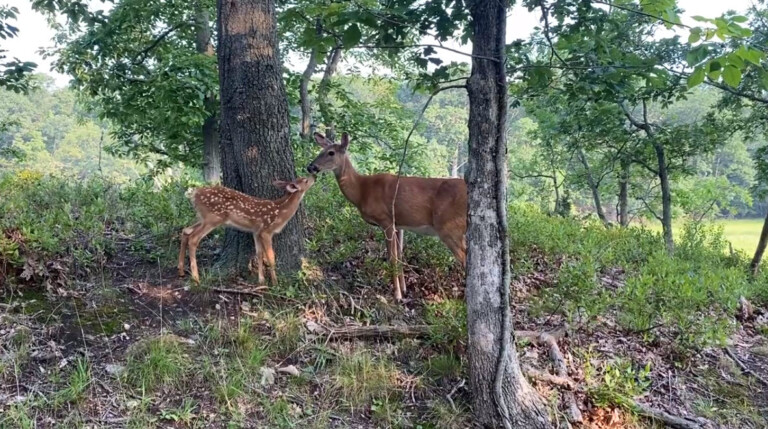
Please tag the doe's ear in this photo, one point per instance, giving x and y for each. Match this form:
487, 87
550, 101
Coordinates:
291, 187
321, 140
344, 141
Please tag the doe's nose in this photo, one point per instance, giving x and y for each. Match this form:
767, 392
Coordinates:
311, 169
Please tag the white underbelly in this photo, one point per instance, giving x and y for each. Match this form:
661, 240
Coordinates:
423, 230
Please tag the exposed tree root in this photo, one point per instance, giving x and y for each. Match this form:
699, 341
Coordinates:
572, 412
546, 377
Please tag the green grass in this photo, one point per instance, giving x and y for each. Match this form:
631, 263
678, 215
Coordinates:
742, 233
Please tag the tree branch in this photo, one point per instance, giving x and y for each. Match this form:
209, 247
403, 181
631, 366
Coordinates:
145, 52
641, 13
545, 18
425, 45
648, 207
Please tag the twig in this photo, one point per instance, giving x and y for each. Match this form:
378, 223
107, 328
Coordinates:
375, 331
662, 416
744, 367
254, 292
453, 391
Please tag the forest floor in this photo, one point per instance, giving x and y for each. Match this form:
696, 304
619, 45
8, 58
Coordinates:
138, 347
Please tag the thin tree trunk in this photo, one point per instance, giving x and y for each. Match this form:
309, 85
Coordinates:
624, 194
331, 64
754, 266
255, 128
666, 196
306, 109
662, 172
210, 131
594, 187
455, 161
557, 192
501, 395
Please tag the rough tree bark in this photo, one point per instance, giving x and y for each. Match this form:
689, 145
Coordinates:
624, 194
210, 130
754, 266
594, 187
255, 129
306, 109
501, 398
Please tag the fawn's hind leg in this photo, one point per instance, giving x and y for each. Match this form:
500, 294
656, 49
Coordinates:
185, 233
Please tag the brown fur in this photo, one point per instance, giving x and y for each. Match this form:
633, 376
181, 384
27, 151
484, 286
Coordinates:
217, 205
435, 204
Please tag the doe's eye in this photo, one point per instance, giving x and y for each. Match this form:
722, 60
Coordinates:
330, 153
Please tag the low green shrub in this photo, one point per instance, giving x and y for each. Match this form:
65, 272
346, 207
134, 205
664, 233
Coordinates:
691, 295
56, 228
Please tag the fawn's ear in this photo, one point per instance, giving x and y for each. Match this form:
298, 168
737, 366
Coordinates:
281, 184
321, 140
291, 187
344, 141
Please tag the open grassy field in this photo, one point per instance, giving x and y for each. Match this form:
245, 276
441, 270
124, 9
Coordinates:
742, 233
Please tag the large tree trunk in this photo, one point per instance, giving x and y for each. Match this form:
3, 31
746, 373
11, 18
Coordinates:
255, 129
306, 109
666, 196
624, 194
501, 395
594, 187
754, 266
210, 131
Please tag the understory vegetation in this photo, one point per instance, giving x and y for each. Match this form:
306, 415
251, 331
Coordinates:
116, 322
619, 148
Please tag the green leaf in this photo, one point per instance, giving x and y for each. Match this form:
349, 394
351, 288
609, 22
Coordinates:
695, 36
735, 59
732, 76
697, 77
352, 36
697, 55
753, 55
739, 18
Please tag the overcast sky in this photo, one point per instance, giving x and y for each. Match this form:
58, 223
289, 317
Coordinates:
35, 34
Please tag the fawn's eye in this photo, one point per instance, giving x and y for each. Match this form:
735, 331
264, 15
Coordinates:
330, 153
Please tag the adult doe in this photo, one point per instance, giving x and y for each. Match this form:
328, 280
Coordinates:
431, 206
217, 205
